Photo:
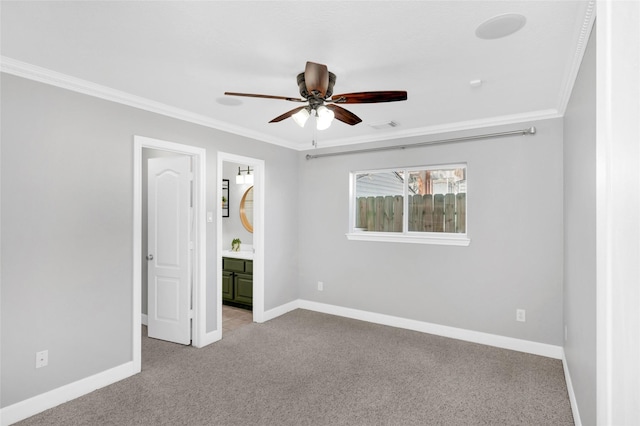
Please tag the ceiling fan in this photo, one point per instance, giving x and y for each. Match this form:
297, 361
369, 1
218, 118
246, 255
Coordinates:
316, 88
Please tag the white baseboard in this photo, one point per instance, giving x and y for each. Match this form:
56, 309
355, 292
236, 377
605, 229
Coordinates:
511, 343
144, 319
39, 403
572, 395
281, 310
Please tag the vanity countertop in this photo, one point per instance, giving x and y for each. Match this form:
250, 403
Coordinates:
247, 255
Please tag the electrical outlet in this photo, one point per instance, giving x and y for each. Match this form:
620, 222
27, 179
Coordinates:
520, 315
42, 359
320, 286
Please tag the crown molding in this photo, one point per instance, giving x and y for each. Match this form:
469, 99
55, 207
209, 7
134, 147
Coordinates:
572, 74
54, 78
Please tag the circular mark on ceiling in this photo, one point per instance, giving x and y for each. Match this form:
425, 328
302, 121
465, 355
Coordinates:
500, 26
228, 101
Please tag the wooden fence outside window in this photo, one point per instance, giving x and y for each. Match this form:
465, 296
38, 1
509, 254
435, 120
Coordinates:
427, 213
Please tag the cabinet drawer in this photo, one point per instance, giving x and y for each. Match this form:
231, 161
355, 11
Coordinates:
233, 265
248, 266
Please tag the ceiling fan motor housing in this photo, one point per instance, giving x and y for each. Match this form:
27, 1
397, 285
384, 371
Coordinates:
302, 86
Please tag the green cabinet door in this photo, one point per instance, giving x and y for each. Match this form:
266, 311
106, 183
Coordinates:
227, 285
237, 282
243, 289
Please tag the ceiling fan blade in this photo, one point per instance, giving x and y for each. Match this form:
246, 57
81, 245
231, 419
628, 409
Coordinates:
316, 77
287, 114
253, 95
370, 97
344, 115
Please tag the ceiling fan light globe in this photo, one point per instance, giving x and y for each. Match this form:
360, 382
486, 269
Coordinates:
324, 117
301, 117
323, 124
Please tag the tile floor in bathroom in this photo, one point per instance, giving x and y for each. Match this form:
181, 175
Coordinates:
234, 318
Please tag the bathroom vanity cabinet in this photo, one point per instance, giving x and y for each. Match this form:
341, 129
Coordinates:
237, 282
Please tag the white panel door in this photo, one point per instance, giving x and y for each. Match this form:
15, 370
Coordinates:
169, 257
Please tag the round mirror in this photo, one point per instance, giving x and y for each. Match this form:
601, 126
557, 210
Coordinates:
246, 210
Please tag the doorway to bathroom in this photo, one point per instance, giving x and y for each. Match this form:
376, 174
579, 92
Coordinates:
240, 230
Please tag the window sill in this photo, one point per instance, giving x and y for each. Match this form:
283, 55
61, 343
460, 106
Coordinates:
444, 240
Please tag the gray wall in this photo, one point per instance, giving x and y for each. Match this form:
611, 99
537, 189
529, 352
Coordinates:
67, 221
514, 221
579, 304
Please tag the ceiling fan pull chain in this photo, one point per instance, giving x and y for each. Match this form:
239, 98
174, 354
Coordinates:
314, 140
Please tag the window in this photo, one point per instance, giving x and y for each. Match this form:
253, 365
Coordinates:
434, 197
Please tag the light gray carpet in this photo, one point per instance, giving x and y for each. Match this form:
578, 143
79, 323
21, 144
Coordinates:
307, 368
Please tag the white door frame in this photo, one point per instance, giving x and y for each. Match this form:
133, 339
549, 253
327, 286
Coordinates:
200, 246
258, 234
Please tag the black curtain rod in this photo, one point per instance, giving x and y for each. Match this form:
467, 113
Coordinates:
530, 131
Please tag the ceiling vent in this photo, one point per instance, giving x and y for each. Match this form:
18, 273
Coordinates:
385, 125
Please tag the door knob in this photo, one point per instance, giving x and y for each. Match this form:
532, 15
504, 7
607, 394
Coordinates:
149, 257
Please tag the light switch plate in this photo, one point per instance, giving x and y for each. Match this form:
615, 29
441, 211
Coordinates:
42, 359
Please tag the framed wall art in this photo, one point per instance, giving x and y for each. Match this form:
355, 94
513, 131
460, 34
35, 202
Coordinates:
225, 197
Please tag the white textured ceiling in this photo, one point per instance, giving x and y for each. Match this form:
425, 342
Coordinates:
187, 54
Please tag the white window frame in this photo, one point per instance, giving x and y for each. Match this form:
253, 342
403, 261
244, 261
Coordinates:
439, 238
